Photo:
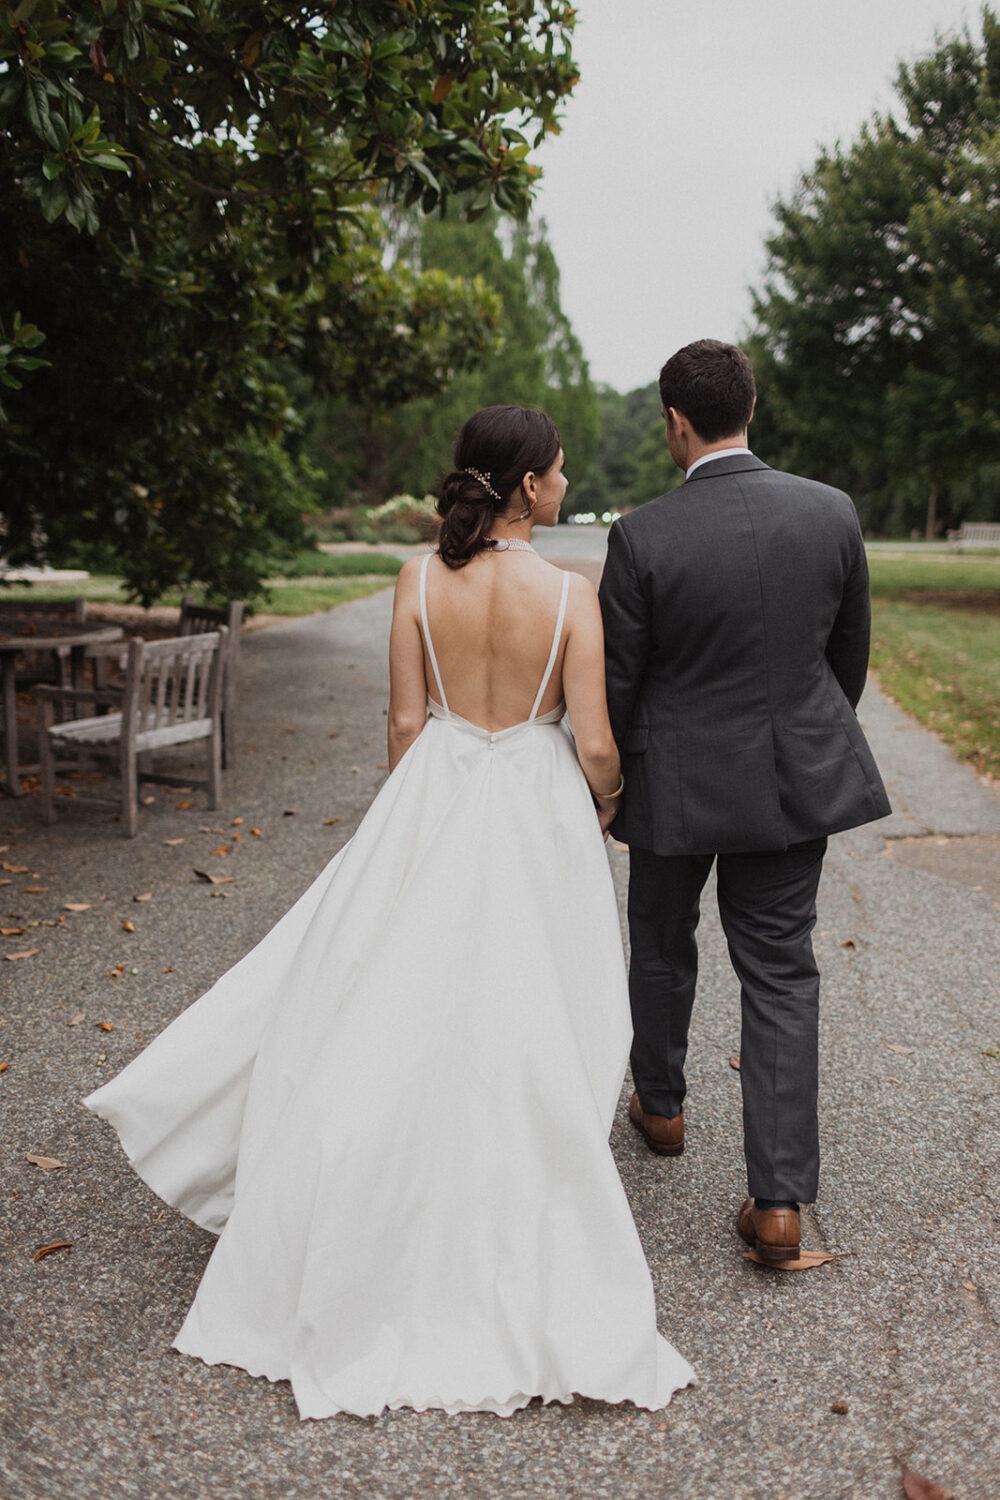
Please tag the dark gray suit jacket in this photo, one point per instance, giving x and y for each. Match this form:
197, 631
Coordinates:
737, 622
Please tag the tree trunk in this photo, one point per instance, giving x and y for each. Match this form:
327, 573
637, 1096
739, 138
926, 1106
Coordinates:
930, 531
376, 462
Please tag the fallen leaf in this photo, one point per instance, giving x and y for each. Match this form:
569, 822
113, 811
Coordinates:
916, 1487
805, 1262
848, 943
48, 1162
214, 879
13, 869
117, 971
36, 890
237, 837
182, 806
128, 927
4, 1066
894, 1080
148, 801
205, 829
329, 822
237, 823
172, 843
840, 1408
104, 1026
76, 906
970, 1286
222, 849
895, 1047
6, 882
168, 970
48, 1249
77, 1017
258, 833
991, 1051
734, 1062
12, 958
146, 896
12, 931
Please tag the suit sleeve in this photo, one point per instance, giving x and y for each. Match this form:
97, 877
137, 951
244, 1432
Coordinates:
849, 644
626, 632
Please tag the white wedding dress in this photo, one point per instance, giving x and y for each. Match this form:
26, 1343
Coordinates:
394, 1112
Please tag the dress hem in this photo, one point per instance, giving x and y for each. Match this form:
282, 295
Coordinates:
488, 1405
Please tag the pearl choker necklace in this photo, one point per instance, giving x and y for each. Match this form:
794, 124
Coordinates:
508, 544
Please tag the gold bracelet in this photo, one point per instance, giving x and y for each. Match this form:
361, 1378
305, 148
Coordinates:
610, 796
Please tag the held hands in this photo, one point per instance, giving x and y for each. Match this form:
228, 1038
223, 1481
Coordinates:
606, 813
607, 806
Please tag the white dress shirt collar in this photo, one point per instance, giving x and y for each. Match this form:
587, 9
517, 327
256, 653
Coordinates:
706, 458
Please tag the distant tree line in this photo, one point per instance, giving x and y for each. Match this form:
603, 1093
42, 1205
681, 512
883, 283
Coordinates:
876, 336
877, 326
369, 451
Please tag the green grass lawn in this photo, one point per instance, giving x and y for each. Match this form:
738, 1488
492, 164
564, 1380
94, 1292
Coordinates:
308, 582
936, 646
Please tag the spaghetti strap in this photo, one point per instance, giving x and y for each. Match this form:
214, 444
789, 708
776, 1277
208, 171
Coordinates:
427, 631
555, 648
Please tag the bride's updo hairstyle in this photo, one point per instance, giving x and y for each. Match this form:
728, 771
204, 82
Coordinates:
495, 449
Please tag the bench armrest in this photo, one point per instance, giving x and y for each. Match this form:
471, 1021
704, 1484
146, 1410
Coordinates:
110, 697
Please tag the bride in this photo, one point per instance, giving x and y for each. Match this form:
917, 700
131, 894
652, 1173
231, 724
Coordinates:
394, 1112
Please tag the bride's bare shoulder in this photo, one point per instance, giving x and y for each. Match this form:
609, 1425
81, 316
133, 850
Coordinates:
408, 583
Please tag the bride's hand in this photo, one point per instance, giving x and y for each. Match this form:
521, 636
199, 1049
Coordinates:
606, 813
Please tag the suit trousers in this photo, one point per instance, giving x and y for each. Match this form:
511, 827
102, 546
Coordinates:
767, 903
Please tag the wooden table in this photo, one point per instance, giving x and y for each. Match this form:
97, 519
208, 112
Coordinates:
31, 632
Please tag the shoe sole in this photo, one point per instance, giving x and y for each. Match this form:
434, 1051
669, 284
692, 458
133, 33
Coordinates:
775, 1255
771, 1254
656, 1146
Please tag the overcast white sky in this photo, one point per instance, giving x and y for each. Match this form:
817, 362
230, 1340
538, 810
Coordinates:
690, 118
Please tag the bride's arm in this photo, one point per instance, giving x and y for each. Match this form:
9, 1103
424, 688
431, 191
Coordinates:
586, 699
407, 686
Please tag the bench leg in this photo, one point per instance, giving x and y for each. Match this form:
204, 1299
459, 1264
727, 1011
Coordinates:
214, 779
13, 778
130, 793
47, 759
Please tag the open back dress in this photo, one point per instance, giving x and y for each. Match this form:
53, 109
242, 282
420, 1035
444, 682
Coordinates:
394, 1111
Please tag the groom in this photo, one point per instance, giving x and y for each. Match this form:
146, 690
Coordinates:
736, 616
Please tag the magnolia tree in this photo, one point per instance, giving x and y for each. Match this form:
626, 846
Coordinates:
190, 224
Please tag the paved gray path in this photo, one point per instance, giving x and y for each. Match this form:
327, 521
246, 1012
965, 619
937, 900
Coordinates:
93, 1403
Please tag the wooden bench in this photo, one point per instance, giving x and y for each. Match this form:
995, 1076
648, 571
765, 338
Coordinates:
172, 696
196, 618
975, 534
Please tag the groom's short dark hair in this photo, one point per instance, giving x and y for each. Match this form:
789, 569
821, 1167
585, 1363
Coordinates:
713, 385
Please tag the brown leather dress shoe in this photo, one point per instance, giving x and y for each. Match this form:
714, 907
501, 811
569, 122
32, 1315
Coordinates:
772, 1232
663, 1135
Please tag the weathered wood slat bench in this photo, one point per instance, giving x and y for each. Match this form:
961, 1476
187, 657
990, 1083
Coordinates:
975, 534
172, 696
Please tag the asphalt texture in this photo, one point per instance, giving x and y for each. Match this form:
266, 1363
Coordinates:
812, 1385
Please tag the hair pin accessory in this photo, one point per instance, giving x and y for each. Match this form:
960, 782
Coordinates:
484, 480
